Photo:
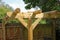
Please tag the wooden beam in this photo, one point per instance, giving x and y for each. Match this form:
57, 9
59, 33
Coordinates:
22, 21
50, 14
35, 23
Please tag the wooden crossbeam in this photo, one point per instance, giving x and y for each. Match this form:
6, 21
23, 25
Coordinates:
50, 14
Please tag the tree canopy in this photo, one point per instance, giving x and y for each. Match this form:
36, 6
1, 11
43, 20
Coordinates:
45, 5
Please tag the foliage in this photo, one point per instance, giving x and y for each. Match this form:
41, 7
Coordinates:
45, 5
4, 8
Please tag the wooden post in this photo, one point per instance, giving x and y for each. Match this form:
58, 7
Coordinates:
30, 34
54, 28
30, 31
3, 30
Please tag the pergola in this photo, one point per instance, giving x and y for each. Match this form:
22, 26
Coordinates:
30, 26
